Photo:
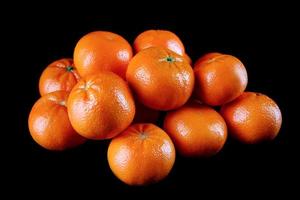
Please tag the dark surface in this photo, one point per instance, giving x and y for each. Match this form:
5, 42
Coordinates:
249, 169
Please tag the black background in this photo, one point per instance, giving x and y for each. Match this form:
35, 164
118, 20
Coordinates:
262, 37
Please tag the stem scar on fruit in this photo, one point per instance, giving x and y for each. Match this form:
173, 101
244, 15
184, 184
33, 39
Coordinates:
170, 59
62, 103
70, 68
143, 135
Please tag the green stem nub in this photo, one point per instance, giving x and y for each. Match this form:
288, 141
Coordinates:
170, 59
70, 68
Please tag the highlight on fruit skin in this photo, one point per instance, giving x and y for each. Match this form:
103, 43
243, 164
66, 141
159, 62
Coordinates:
219, 78
49, 123
94, 101
101, 106
252, 118
102, 50
160, 78
141, 155
197, 130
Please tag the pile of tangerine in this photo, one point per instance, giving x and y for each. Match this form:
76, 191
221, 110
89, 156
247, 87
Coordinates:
114, 92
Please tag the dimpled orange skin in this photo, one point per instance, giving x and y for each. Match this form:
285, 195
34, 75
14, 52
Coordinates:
101, 50
49, 123
141, 155
196, 130
252, 118
161, 79
101, 106
59, 75
219, 79
158, 38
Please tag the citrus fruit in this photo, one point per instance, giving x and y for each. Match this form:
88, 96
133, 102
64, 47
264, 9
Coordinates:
160, 78
59, 75
196, 130
158, 38
252, 118
219, 79
102, 50
101, 106
141, 155
49, 123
